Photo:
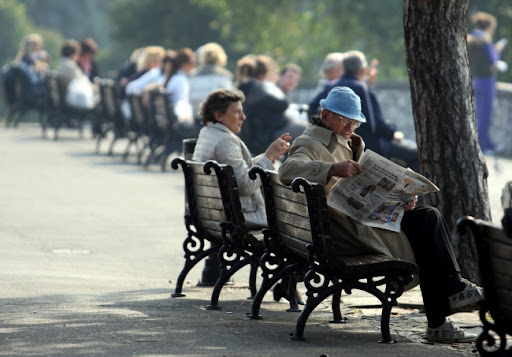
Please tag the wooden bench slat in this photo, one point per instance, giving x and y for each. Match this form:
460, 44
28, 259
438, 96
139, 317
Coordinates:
214, 203
500, 249
292, 219
211, 214
285, 192
292, 207
500, 265
507, 312
206, 191
503, 280
206, 180
297, 232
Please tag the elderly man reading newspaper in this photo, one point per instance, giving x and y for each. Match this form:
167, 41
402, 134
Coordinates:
329, 151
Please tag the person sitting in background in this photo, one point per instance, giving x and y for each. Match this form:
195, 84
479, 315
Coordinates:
68, 66
329, 151
332, 70
80, 92
178, 86
289, 78
86, 61
265, 105
129, 68
152, 65
222, 116
31, 61
210, 74
380, 135
31, 53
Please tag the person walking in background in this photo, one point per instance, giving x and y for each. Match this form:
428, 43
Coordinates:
484, 62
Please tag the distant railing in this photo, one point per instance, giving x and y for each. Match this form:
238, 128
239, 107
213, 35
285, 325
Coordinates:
395, 100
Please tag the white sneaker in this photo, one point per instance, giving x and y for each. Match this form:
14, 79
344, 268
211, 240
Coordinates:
467, 300
449, 333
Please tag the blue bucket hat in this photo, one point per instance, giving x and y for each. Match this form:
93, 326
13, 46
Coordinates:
343, 101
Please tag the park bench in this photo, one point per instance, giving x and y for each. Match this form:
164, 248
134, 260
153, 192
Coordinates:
165, 132
495, 261
18, 94
59, 111
298, 239
214, 215
112, 119
137, 126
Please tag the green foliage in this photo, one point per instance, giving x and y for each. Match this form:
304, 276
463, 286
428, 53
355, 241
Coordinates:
171, 24
305, 31
14, 25
300, 31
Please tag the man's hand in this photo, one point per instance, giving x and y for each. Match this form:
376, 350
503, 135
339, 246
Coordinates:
398, 136
348, 168
411, 204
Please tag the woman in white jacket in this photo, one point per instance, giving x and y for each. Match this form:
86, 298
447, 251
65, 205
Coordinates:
222, 116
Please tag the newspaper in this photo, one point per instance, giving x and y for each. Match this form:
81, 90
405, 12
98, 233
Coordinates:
377, 196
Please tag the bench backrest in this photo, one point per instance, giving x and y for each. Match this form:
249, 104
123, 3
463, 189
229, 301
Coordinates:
495, 261
212, 197
139, 111
110, 98
54, 95
296, 214
162, 109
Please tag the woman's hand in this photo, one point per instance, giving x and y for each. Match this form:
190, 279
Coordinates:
279, 147
411, 204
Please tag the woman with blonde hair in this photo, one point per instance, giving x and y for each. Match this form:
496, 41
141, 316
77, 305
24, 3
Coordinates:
210, 75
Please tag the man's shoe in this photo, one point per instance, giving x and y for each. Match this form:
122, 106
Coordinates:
448, 332
467, 300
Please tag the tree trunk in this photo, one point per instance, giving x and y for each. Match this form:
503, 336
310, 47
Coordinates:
442, 101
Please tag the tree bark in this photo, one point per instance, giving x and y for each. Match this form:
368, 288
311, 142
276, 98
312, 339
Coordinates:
442, 101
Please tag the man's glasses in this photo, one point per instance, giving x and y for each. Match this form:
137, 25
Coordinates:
345, 121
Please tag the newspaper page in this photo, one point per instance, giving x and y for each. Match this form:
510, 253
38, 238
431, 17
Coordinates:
377, 196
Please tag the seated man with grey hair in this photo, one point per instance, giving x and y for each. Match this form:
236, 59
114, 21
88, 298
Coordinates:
380, 135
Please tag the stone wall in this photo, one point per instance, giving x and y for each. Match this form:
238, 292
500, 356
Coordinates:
395, 101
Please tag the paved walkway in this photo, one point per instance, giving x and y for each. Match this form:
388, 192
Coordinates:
90, 244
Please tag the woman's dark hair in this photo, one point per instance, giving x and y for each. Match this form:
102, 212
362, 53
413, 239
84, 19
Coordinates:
317, 120
219, 101
168, 60
183, 55
88, 45
69, 48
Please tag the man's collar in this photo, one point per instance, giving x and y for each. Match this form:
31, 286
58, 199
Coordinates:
319, 132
